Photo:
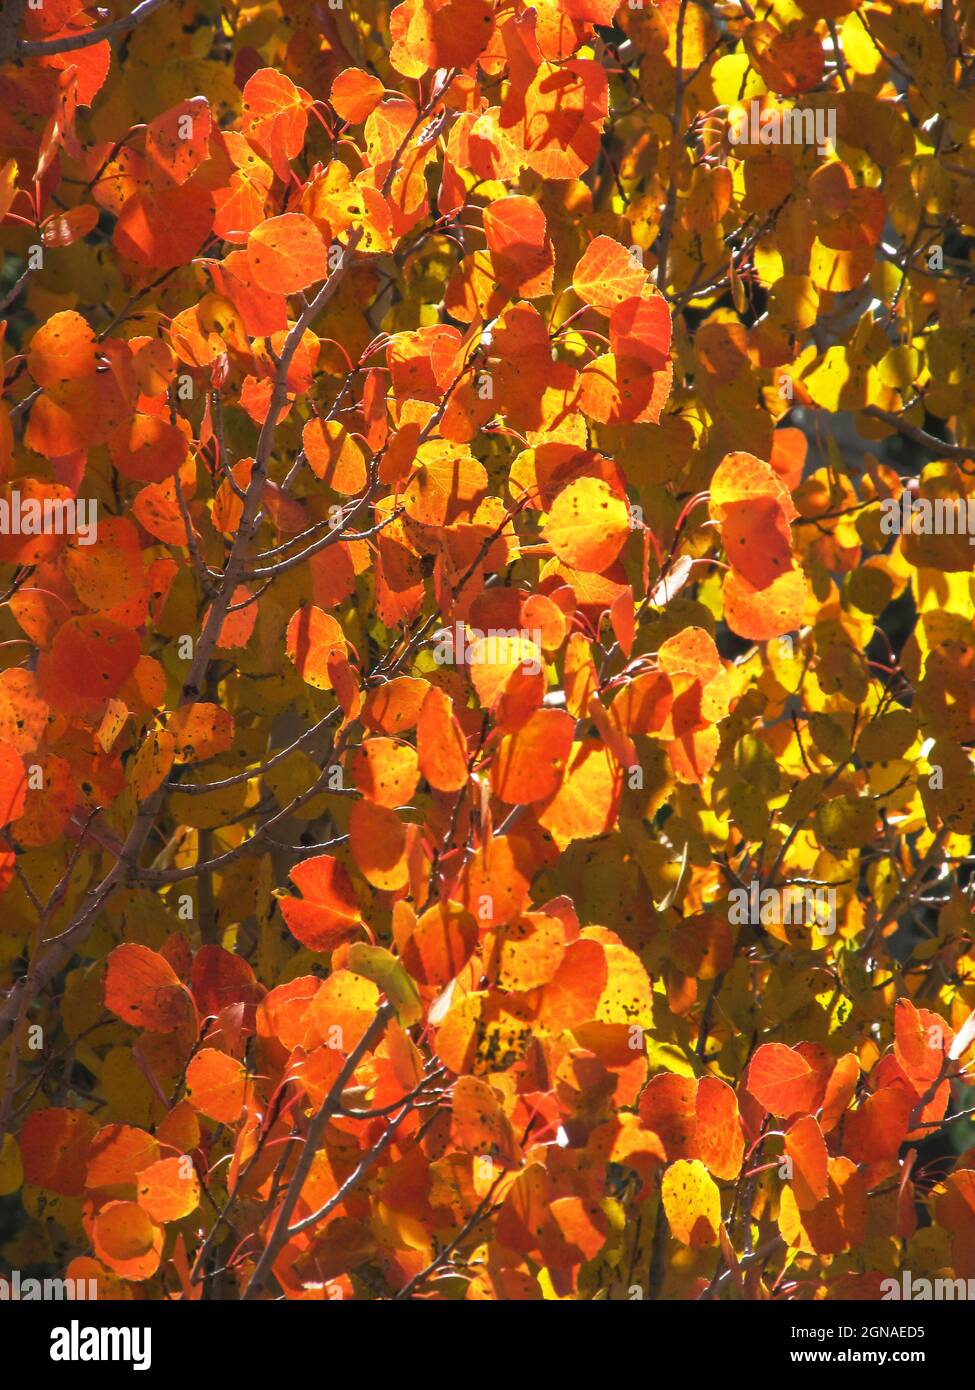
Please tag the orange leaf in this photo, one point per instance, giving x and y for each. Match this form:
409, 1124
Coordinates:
526, 953
668, 1107
54, 1147
378, 839
287, 254
310, 640
782, 1080
875, 1130
530, 764
127, 1239
334, 456
741, 477
494, 882
386, 771
354, 94
201, 731
572, 994
142, 988
148, 449
178, 141
217, 1085
87, 663
757, 540
169, 1189
440, 742
720, 1141
440, 944
587, 802
220, 978
921, 1043
164, 227
805, 1146
327, 912
521, 253
394, 707
759, 614
62, 349
274, 113
478, 1122
117, 1154
577, 1232
840, 1090
607, 274
639, 328
445, 486
13, 784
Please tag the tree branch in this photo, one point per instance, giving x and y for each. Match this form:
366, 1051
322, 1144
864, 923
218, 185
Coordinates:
70, 43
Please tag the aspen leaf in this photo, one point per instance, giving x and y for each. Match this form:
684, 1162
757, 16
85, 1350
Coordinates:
286, 254
275, 115
62, 349
165, 1190
692, 1202
200, 731
311, 638
588, 525
54, 1146
530, 764
607, 275
382, 967
720, 1141
479, 1124
378, 839
335, 456
782, 1080
639, 328
768, 612
440, 944
216, 1085
117, 1154
327, 912
668, 1107
441, 746
127, 1239
527, 952
88, 662
385, 771
219, 978
354, 94
520, 250
13, 784
142, 988
805, 1146
178, 141
164, 227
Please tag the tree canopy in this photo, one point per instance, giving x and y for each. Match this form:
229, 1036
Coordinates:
487, 496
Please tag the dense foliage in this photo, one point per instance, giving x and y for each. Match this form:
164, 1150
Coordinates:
488, 680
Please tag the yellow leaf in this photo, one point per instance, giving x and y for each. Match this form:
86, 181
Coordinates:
692, 1202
